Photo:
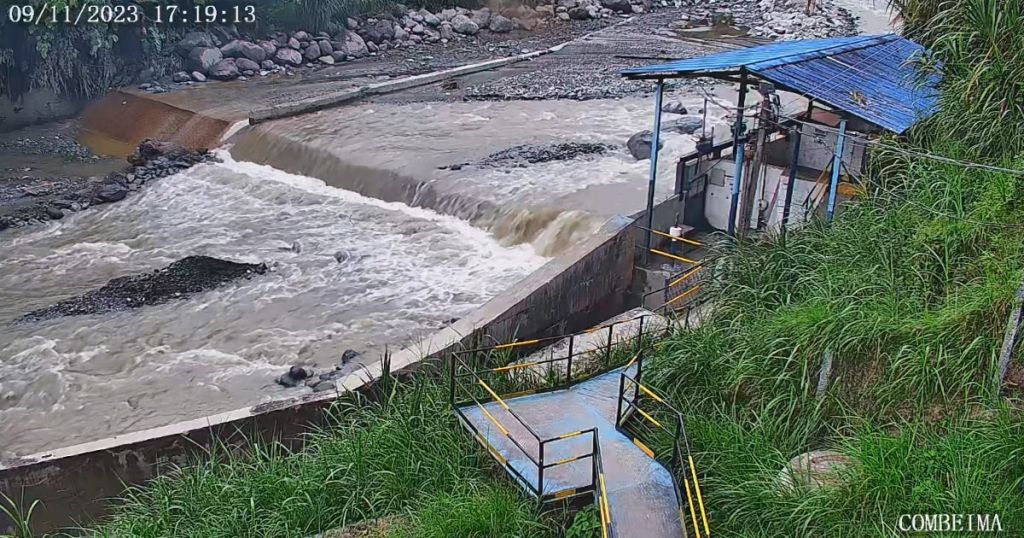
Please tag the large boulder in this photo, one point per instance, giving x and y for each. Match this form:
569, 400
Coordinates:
400, 33
501, 24
579, 13
225, 69
446, 31
482, 17
621, 6
269, 48
245, 64
429, 18
111, 192
325, 47
353, 45
253, 51
202, 59
813, 470
244, 49
312, 52
288, 57
674, 107
684, 125
379, 32
639, 145
193, 40
463, 25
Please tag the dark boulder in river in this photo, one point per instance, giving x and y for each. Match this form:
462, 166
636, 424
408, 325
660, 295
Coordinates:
178, 280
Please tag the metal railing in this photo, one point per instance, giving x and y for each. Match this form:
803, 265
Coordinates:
669, 255
680, 460
597, 483
581, 353
601, 495
536, 442
461, 370
682, 291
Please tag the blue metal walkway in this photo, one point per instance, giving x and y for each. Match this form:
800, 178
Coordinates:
642, 499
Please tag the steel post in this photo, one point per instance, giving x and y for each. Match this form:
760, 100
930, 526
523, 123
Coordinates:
568, 364
655, 140
738, 152
608, 350
837, 165
793, 165
618, 401
540, 470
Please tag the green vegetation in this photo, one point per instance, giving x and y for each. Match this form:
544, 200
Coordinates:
909, 290
403, 457
83, 62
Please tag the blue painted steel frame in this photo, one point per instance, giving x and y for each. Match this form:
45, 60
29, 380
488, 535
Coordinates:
837, 164
655, 140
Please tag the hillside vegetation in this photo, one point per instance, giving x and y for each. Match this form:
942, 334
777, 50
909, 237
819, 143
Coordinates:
909, 290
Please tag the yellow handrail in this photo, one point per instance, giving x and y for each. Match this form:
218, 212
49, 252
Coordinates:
673, 256
684, 277
685, 294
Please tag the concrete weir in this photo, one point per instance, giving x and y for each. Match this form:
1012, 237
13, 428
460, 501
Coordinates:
589, 282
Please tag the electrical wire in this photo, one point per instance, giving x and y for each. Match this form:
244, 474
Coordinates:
895, 194
864, 142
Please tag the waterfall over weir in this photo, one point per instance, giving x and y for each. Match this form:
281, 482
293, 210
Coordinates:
379, 224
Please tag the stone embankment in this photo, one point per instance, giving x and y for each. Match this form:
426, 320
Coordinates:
25, 201
225, 54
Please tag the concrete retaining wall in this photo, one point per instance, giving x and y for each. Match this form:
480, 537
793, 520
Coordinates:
37, 106
105, 130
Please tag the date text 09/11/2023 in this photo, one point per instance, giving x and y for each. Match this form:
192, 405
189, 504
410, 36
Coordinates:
63, 13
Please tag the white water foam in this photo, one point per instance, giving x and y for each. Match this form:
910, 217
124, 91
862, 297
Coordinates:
363, 274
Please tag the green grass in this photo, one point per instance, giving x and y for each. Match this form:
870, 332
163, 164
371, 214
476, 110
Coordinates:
405, 458
910, 290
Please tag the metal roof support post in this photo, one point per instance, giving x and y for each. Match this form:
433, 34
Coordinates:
655, 140
836, 166
793, 165
738, 151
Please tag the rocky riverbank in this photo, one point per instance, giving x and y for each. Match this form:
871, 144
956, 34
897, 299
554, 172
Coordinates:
26, 200
404, 35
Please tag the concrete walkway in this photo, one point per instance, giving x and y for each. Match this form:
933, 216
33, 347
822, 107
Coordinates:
641, 495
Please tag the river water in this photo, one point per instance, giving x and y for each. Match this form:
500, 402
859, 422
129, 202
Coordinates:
418, 244
404, 271
399, 152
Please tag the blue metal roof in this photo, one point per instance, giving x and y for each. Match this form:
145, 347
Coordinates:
871, 77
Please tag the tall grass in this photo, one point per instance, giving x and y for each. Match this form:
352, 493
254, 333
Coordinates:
909, 290
405, 458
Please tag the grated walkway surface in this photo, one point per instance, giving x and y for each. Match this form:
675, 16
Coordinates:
641, 495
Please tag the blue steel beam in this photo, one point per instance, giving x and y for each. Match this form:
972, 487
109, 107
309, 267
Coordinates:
655, 140
837, 164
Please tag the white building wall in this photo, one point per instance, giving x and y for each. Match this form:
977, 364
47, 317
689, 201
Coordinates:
818, 146
719, 196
